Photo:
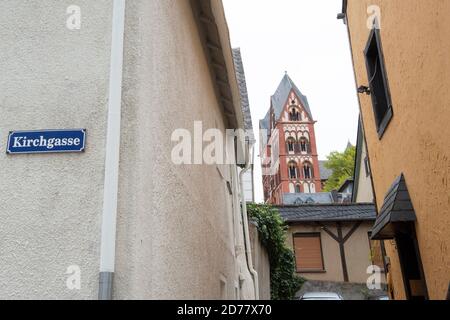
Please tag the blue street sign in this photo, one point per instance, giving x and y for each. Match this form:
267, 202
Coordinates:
46, 141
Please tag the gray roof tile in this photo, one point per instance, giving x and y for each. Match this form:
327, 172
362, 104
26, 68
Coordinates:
325, 173
240, 76
279, 100
310, 198
328, 212
264, 123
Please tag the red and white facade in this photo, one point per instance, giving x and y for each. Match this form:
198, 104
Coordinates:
289, 153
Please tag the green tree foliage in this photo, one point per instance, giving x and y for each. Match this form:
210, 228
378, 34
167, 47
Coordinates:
272, 230
343, 166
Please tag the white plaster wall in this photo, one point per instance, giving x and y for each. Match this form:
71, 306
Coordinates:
179, 229
176, 232
50, 205
248, 186
261, 262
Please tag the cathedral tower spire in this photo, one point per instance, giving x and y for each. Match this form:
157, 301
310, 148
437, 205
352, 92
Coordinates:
288, 149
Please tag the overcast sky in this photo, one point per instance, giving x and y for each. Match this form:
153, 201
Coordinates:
304, 38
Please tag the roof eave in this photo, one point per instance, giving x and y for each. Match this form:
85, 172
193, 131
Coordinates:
396, 212
214, 35
327, 205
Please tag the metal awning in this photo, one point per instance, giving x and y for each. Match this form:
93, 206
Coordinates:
397, 212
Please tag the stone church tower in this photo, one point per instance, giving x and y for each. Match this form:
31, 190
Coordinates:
288, 145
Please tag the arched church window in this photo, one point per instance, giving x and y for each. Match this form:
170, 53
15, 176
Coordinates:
298, 189
308, 171
293, 170
291, 144
304, 145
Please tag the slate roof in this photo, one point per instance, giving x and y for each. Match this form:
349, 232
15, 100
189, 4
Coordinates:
305, 198
245, 104
397, 208
279, 100
328, 212
281, 96
264, 123
325, 173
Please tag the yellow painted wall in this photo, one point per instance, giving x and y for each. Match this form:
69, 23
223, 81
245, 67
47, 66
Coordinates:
416, 42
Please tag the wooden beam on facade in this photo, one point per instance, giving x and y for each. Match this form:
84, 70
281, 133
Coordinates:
341, 240
352, 231
342, 251
328, 231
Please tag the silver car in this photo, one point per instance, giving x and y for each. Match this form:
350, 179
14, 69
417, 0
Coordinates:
321, 296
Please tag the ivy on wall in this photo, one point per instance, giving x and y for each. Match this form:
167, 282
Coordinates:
284, 282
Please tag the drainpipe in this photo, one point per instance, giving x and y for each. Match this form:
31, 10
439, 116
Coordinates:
111, 185
248, 248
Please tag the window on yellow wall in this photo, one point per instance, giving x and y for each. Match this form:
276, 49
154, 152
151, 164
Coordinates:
378, 82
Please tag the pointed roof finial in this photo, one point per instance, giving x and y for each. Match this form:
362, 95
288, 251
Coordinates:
349, 145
